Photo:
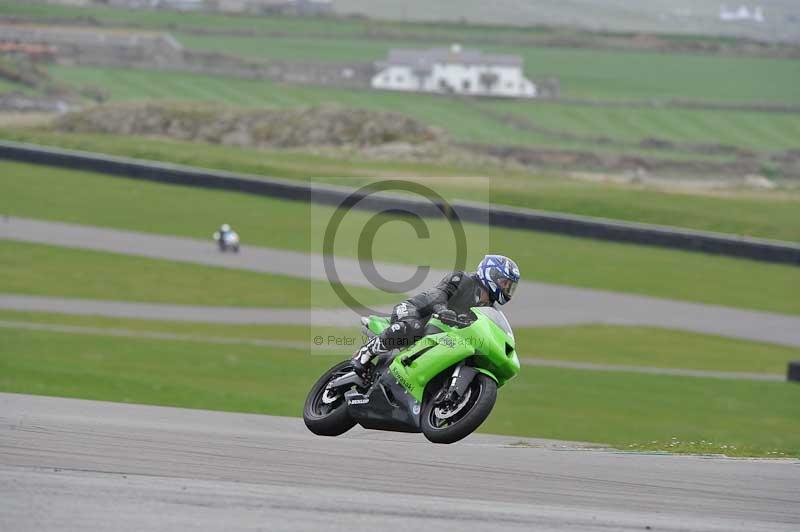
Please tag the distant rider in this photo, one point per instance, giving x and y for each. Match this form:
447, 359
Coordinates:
224, 229
494, 282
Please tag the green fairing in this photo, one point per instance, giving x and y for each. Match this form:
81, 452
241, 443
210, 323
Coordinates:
377, 324
484, 339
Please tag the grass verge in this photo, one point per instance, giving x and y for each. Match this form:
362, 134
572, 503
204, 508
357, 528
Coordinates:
738, 212
752, 418
653, 347
622, 409
42, 270
599, 344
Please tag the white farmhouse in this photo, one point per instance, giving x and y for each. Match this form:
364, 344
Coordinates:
453, 70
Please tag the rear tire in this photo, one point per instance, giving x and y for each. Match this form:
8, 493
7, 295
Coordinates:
328, 419
483, 394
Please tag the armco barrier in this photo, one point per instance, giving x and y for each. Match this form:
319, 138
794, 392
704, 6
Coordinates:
501, 216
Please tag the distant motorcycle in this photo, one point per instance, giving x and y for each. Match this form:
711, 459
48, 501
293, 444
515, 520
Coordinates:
444, 386
228, 241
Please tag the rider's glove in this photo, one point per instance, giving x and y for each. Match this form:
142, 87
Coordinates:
447, 315
465, 318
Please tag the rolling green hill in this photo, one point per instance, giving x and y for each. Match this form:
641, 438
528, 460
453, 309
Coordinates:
469, 120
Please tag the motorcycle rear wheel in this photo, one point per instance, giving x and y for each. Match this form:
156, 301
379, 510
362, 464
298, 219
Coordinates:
330, 419
479, 398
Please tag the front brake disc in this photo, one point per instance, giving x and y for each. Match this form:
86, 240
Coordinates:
446, 413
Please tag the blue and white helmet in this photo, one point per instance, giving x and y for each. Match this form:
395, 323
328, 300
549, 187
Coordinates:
500, 276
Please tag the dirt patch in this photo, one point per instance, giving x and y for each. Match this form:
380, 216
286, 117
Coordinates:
751, 186
26, 119
785, 164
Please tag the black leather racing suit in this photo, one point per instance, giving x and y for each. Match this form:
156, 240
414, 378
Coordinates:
458, 292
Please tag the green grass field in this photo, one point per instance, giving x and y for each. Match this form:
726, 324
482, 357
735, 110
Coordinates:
467, 120
634, 410
94, 199
653, 347
168, 20
456, 117
582, 73
621, 409
734, 212
36, 269
745, 129
598, 344
8, 86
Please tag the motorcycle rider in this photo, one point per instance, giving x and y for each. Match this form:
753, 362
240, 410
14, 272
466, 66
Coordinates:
494, 282
220, 234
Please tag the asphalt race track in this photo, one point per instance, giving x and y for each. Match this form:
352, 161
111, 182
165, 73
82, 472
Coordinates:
67, 464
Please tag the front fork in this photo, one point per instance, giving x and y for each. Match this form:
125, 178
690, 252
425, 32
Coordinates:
458, 384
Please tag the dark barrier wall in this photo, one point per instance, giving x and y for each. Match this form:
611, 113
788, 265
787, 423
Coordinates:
793, 371
579, 226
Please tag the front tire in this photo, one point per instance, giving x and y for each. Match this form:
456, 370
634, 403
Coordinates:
440, 426
325, 418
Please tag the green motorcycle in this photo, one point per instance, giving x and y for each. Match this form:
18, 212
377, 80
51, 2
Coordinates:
444, 385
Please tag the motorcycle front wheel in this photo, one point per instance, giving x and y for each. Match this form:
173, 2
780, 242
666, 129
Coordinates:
450, 421
325, 412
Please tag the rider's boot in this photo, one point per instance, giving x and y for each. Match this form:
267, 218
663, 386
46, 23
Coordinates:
362, 357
